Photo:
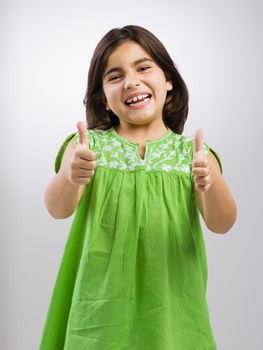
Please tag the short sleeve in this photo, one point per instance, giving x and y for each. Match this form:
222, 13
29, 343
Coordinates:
208, 150
91, 135
75, 138
62, 150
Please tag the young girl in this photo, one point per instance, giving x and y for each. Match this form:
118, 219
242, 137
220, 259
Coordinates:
133, 274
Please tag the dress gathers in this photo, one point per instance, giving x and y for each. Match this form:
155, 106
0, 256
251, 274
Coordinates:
133, 273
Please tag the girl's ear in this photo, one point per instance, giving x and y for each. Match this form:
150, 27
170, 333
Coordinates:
169, 85
104, 100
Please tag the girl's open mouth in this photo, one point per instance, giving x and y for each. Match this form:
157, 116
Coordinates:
138, 102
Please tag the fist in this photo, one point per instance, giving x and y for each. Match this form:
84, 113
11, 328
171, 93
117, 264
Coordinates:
202, 171
83, 161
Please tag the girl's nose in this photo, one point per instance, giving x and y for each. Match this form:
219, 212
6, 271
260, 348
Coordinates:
131, 81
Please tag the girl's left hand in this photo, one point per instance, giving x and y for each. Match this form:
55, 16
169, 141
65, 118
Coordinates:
203, 175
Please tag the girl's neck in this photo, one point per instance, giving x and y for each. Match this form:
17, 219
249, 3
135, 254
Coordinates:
141, 133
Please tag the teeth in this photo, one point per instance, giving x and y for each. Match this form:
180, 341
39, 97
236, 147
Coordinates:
139, 102
134, 99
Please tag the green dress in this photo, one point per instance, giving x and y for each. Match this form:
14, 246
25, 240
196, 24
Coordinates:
133, 274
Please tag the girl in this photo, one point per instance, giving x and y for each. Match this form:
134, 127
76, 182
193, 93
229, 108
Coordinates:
133, 274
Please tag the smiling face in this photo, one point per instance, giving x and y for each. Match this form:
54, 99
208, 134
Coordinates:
135, 87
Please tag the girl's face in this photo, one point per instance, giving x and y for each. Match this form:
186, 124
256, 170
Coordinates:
134, 86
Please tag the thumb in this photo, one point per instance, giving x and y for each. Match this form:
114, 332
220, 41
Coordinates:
83, 137
198, 145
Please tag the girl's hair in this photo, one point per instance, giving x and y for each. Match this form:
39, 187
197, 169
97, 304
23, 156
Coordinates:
175, 109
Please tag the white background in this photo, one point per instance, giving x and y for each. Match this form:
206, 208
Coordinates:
46, 49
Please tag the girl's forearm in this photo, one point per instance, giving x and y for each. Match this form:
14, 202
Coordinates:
61, 197
217, 205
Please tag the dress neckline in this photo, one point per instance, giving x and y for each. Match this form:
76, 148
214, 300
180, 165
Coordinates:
149, 141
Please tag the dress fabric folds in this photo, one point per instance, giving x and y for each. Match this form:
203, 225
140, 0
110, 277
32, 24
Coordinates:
133, 273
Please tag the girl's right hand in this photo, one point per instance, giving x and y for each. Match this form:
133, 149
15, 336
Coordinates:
83, 161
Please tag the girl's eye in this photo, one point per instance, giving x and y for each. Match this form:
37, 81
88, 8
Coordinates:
114, 77
144, 68
140, 69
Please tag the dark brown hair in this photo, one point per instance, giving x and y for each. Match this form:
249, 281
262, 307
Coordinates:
175, 109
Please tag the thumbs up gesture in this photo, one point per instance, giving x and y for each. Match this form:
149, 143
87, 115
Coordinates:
201, 169
83, 161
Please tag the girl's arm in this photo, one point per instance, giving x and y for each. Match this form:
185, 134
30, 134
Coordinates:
214, 199
77, 167
61, 196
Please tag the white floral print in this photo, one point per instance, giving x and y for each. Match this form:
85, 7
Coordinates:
171, 153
